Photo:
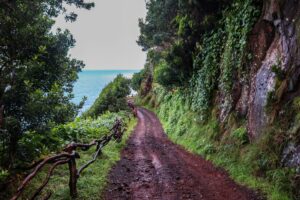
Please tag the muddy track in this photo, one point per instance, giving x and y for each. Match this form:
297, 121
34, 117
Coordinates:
152, 167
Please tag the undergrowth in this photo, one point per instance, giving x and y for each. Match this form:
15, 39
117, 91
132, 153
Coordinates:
93, 180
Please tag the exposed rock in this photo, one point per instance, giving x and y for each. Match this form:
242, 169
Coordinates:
242, 104
283, 16
261, 84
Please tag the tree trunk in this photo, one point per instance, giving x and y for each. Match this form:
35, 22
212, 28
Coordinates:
73, 177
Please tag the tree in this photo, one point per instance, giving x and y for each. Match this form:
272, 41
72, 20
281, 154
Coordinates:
137, 79
36, 72
158, 27
175, 27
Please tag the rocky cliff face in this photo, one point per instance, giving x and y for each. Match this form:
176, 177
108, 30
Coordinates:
273, 76
274, 43
249, 85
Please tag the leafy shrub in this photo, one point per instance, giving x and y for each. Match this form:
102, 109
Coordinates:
241, 135
280, 74
165, 75
175, 67
137, 79
112, 98
205, 80
3, 175
32, 145
180, 63
84, 130
220, 58
185, 26
238, 22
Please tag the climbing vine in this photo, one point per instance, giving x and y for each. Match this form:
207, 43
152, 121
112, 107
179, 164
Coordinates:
220, 60
238, 23
206, 79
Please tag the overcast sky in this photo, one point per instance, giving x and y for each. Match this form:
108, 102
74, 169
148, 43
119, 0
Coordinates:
106, 35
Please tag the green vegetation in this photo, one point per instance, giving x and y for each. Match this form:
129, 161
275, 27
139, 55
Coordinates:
93, 125
223, 54
112, 98
174, 28
199, 72
157, 27
276, 69
256, 165
85, 130
36, 113
80, 130
36, 74
205, 50
205, 80
94, 179
137, 79
275, 95
165, 75
238, 23
198, 66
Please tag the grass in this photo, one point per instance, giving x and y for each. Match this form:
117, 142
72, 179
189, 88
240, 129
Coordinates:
228, 149
197, 139
93, 180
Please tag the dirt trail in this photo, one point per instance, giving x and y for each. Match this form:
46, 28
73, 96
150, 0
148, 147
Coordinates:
152, 167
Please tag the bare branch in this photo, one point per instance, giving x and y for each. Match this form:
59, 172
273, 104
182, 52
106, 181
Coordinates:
96, 154
38, 191
68, 156
36, 170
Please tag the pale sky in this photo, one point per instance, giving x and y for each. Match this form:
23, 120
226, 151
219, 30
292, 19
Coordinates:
106, 35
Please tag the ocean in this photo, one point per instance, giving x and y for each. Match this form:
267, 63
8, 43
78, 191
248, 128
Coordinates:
91, 82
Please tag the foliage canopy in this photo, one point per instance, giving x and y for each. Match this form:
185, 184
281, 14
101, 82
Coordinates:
36, 72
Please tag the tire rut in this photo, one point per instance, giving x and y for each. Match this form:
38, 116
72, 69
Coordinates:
152, 167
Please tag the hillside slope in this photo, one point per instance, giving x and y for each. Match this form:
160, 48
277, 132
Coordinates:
226, 85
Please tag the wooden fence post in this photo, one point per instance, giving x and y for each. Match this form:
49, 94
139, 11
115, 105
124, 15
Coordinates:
73, 177
69, 155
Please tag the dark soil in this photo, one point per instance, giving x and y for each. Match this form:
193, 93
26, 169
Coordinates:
152, 167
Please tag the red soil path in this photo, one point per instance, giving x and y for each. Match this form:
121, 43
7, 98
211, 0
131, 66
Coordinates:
152, 167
